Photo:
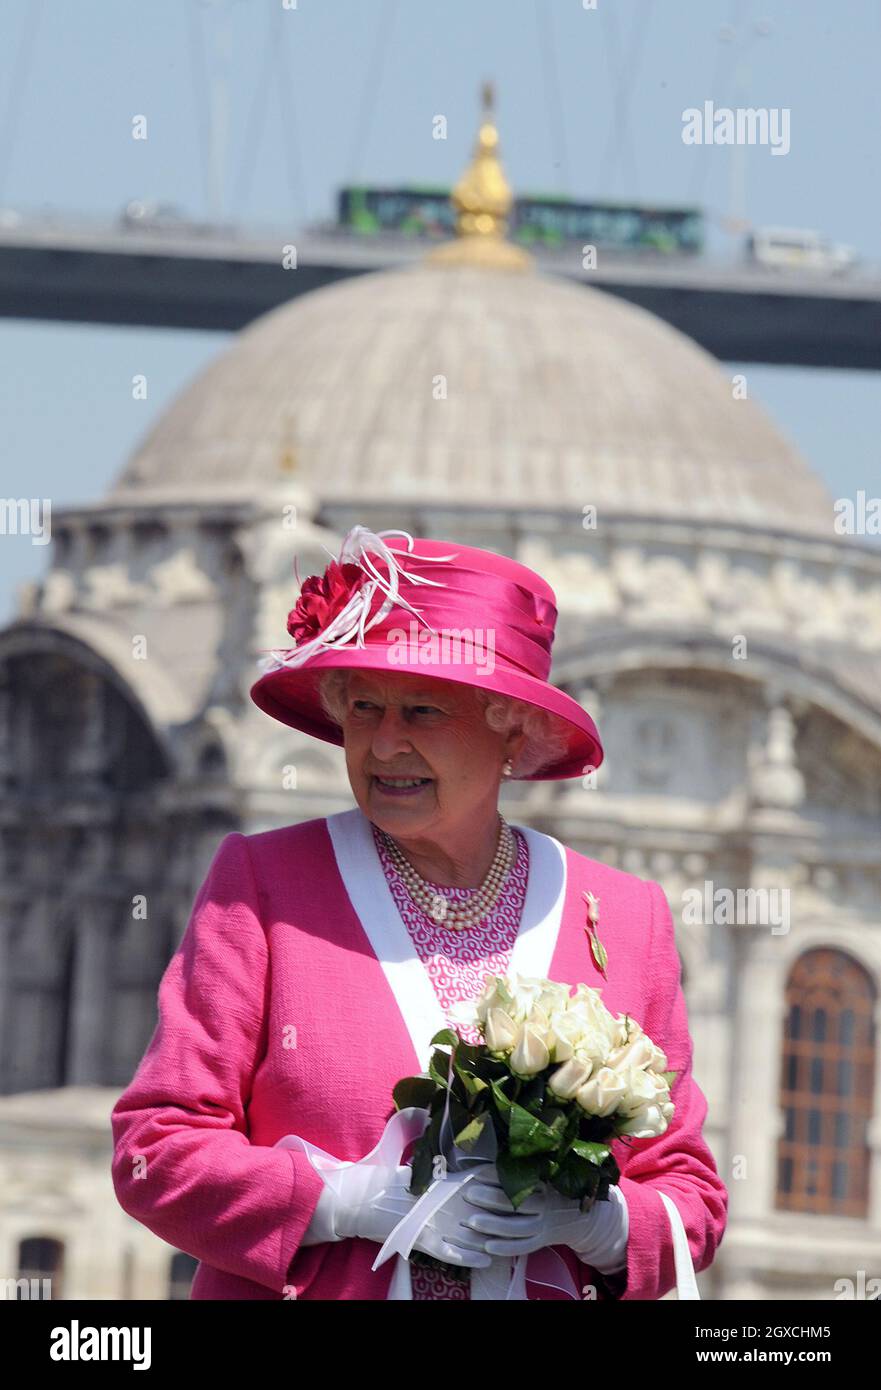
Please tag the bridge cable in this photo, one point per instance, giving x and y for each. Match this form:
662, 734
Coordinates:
370, 90
625, 68
550, 73
198, 69
291, 147
254, 127
20, 74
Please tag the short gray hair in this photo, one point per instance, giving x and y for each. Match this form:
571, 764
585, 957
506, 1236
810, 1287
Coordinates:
546, 742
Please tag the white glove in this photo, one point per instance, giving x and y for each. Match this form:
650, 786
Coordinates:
368, 1200
320, 1228
598, 1237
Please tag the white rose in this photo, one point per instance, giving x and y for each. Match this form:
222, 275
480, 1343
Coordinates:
593, 1045
564, 1033
553, 997
639, 1089
496, 995
527, 990
648, 1122
464, 1013
627, 1031
537, 1019
639, 1052
589, 1007
569, 1079
530, 1054
602, 1094
516, 994
500, 1031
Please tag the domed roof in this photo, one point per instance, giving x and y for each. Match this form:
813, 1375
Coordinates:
478, 385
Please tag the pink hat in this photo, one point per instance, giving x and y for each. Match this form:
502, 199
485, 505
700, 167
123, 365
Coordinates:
425, 607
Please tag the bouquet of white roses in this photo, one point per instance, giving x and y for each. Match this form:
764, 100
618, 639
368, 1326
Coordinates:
556, 1079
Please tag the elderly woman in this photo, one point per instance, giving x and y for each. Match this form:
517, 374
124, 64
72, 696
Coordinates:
322, 957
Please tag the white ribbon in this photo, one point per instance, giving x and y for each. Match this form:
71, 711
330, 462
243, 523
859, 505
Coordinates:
460, 1166
686, 1284
401, 1129
348, 627
505, 1279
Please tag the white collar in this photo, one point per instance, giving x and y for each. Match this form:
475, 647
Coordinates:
365, 882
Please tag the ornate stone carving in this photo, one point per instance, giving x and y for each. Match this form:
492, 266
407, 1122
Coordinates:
57, 592
109, 586
179, 579
776, 778
753, 592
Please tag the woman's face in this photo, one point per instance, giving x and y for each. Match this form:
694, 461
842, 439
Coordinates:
410, 726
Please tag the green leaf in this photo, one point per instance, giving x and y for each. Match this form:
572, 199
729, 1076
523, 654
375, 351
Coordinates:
422, 1162
594, 1153
466, 1061
469, 1054
576, 1176
413, 1090
459, 1115
473, 1084
532, 1094
555, 1118
503, 1102
489, 1070
439, 1068
598, 951
570, 1133
599, 1128
467, 1137
517, 1176
446, 1036
528, 1135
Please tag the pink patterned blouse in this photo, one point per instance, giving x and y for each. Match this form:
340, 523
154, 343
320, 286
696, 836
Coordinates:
457, 962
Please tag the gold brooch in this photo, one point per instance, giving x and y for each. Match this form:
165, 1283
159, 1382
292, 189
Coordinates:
597, 949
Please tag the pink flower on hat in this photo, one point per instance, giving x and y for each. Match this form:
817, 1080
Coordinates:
322, 597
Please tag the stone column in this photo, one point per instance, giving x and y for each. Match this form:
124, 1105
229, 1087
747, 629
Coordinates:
88, 1013
753, 1117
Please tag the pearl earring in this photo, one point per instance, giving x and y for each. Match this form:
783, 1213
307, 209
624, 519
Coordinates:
507, 767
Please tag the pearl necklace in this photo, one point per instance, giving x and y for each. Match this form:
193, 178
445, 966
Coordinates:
455, 915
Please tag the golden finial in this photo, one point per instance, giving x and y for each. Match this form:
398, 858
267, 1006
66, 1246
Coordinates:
482, 199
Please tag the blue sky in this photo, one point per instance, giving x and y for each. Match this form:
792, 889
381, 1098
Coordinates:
328, 91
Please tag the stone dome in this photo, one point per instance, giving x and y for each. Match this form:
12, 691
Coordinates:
477, 385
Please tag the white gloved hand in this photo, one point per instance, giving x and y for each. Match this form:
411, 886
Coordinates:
598, 1237
368, 1200
445, 1235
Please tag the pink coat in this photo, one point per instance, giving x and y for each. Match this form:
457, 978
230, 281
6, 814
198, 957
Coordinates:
287, 1011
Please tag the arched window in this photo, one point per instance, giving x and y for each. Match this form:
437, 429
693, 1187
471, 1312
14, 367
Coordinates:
180, 1275
83, 831
41, 1258
826, 1086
